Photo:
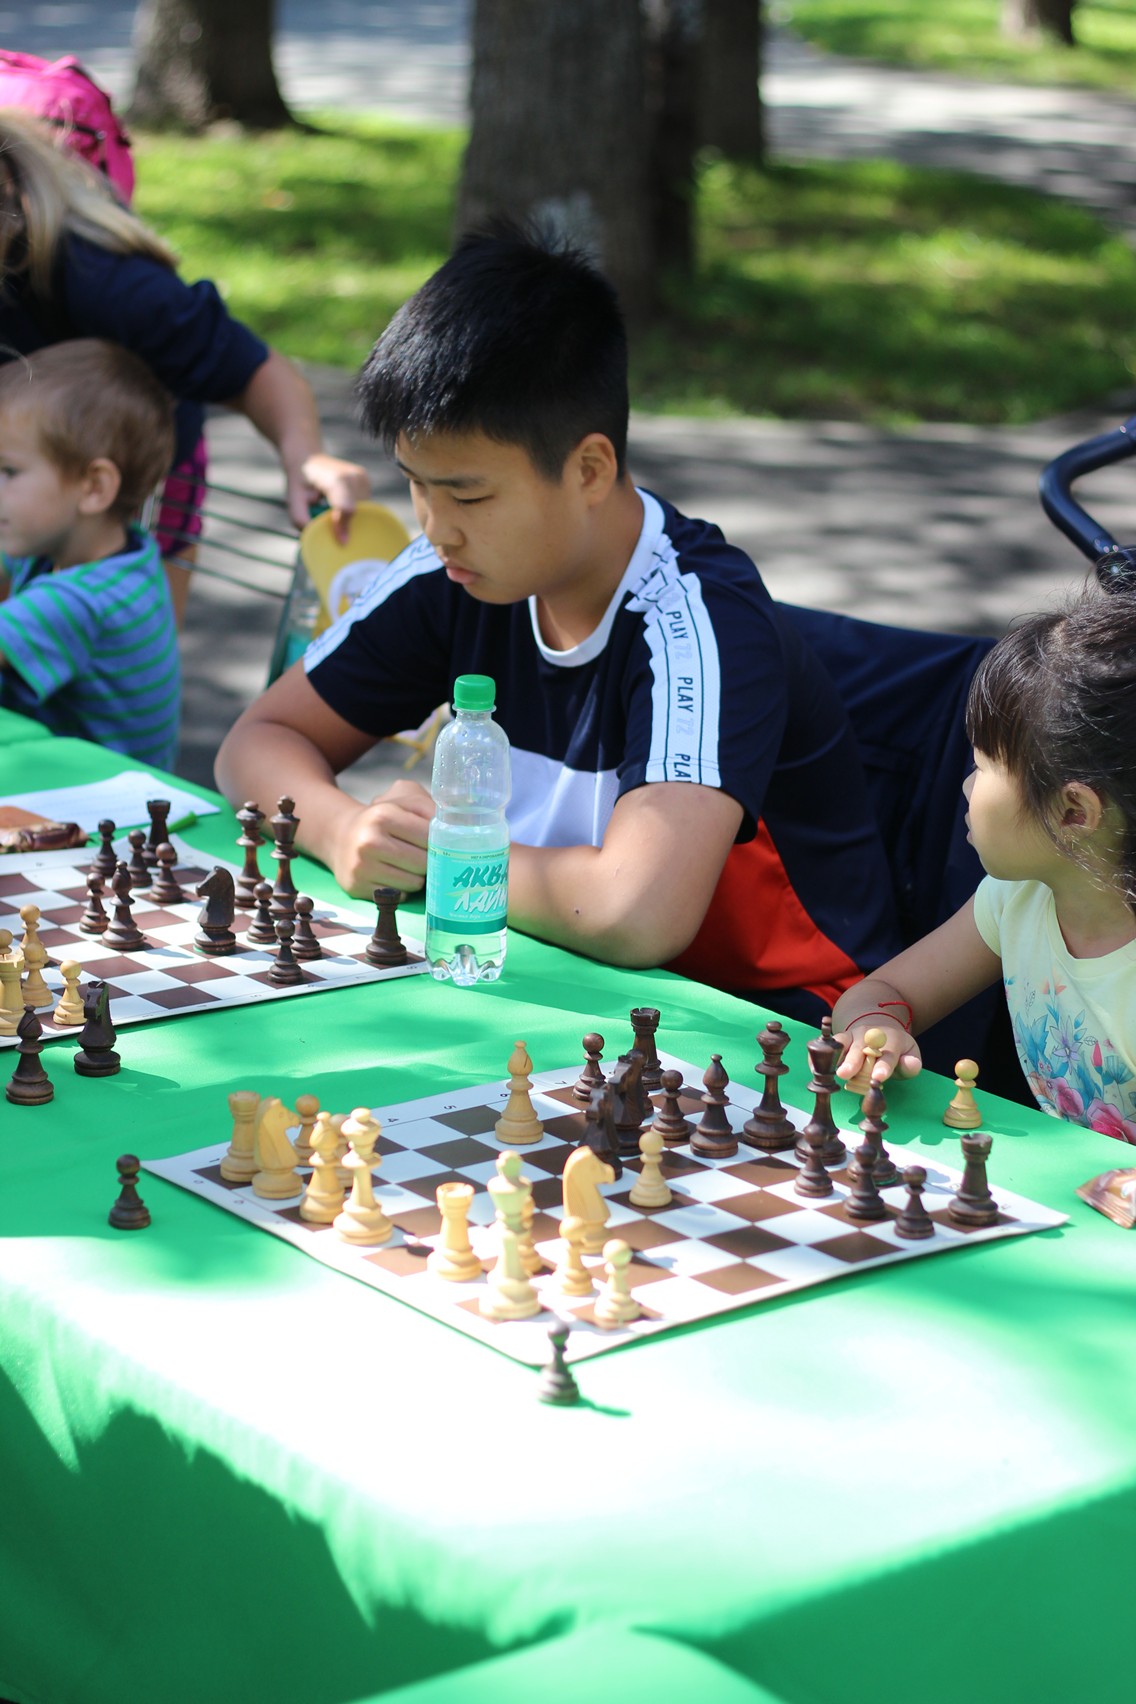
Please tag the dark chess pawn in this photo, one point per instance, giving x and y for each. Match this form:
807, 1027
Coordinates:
824, 1053
250, 817
165, 889
30, 1084
105, 861
591, 1077
813, 1180
123, 932
863, 1204
557, 1384
261, 932
96, 1056
305, 944
973, 1205
214, 935
914, 1220
158, 811
885, 1173
284, 972
130, 1212
94, 919
385, 947
767, 1127
713, 1135
669, 1121
140, 876
599, 1128
645, 1023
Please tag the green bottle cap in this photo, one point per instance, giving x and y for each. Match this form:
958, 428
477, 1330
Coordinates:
474, 692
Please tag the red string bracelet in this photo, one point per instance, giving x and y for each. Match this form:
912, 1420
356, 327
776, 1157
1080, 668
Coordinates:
882, 1012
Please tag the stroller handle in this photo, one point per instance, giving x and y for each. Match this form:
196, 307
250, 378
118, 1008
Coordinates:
1057, 478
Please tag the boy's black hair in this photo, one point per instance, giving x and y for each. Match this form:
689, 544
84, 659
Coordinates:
517, 336
1055, 701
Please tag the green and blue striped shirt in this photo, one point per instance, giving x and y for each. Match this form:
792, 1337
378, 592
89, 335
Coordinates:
92, 650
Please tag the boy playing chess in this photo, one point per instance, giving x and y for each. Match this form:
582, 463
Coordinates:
685, 783
87, 639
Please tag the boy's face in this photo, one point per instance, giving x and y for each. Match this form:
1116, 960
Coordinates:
500, 528
39, 504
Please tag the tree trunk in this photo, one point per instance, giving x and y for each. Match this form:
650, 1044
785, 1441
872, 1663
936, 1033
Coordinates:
559, 130
1034, 18
674, 57
200, 61
731, 117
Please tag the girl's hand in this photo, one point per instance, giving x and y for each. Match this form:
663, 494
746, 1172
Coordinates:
900, 1056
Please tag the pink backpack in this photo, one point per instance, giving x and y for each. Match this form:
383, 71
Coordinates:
64, 94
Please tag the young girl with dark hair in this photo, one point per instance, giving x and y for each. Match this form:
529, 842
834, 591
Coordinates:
1052, 815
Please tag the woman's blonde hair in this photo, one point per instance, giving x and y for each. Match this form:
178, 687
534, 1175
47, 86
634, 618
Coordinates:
46, 194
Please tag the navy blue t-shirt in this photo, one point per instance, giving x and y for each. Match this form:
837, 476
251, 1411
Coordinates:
183, 332
692, 675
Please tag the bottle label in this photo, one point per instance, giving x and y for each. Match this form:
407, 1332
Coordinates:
467, 894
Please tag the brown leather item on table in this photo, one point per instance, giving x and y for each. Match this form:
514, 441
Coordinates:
23, 831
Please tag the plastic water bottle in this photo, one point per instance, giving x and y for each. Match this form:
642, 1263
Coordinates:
467, 864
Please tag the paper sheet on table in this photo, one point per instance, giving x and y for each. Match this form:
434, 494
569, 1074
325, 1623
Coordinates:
122, 798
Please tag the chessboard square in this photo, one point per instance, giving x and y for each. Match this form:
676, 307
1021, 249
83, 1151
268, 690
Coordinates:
418, 1222
648, 1235
749, 1243
178, 999
802, 1265
471, 1120
230, 985
550, 1157
691, 1259
66, 915
485, 1170
943, 1219
805, 1225
680, 1162
128, 1007
334, 969
700, 1220
459, 1152
45, 898
678, 1299
764, 1173
565, 1127
199, 970
758, 1204
406, 1165
405, 1260
738, 1279
151, 921
394, 1200
548, 1193
708, 1184
856, 1246
146, 982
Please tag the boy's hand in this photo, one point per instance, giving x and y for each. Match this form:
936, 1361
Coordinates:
901, 1056
383, 844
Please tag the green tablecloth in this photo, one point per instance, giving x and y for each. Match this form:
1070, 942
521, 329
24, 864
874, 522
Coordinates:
15, 729
230, 1473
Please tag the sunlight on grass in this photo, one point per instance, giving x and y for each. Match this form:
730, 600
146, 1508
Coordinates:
963, 36
866, 291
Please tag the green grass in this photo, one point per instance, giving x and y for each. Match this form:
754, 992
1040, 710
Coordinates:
866, 291
963, 36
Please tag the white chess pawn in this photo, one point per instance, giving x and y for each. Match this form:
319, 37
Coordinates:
615, 1304
69, 1011
650, 1188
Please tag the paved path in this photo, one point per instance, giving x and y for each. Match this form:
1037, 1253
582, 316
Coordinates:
935, 527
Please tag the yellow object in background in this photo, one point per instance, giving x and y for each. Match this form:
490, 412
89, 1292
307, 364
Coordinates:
340, 571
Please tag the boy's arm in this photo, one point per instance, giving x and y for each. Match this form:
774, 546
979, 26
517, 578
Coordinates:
636, 900
290, 742
639, 898
934, 977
